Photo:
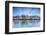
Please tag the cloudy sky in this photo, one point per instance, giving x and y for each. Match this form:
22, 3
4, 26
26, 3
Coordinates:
18, 11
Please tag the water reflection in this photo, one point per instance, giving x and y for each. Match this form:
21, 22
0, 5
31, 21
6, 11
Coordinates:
26, 23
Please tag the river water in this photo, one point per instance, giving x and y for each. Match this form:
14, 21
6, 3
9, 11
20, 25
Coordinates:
26, 23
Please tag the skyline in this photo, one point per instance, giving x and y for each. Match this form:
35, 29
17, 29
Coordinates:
22, 14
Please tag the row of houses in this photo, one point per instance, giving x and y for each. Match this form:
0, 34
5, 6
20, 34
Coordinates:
26, 17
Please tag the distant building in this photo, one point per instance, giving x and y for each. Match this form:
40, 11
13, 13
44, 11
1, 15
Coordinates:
26, 17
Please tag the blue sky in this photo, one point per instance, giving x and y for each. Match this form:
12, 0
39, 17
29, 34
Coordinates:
18, 11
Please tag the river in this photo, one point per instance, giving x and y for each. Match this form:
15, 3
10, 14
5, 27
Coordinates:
26, 23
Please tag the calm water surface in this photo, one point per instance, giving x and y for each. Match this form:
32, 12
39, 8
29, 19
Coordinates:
26, 23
